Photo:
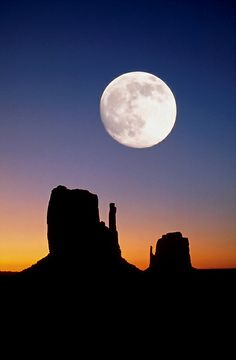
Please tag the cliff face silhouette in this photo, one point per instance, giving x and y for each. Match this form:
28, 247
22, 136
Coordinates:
83, 248
78, 240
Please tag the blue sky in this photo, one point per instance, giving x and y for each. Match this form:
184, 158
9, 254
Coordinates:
56, 59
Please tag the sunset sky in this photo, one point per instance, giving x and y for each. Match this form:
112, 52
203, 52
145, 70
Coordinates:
56, 58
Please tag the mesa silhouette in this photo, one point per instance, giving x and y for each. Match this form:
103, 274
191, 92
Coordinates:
79, 243
84, 251
85, 266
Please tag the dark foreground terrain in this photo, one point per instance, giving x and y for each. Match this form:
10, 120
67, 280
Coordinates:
150, 292
143, 315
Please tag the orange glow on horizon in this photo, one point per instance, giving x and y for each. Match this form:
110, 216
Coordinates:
23, 235
23, 255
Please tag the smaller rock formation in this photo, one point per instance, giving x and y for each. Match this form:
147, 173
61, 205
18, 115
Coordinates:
172, 254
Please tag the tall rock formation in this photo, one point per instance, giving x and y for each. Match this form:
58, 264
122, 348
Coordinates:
172, 254
78, 241
72, 219
112, 217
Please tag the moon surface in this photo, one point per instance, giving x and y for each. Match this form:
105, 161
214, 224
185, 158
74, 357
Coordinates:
138, 109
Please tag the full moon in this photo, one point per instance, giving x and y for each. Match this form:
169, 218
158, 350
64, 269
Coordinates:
138, 109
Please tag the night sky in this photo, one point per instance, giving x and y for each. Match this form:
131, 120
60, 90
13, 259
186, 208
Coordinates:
56, 58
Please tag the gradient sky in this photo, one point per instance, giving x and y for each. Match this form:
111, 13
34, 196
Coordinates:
56, 58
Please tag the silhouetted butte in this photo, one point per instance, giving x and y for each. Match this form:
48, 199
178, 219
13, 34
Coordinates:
172, 254
78, 240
